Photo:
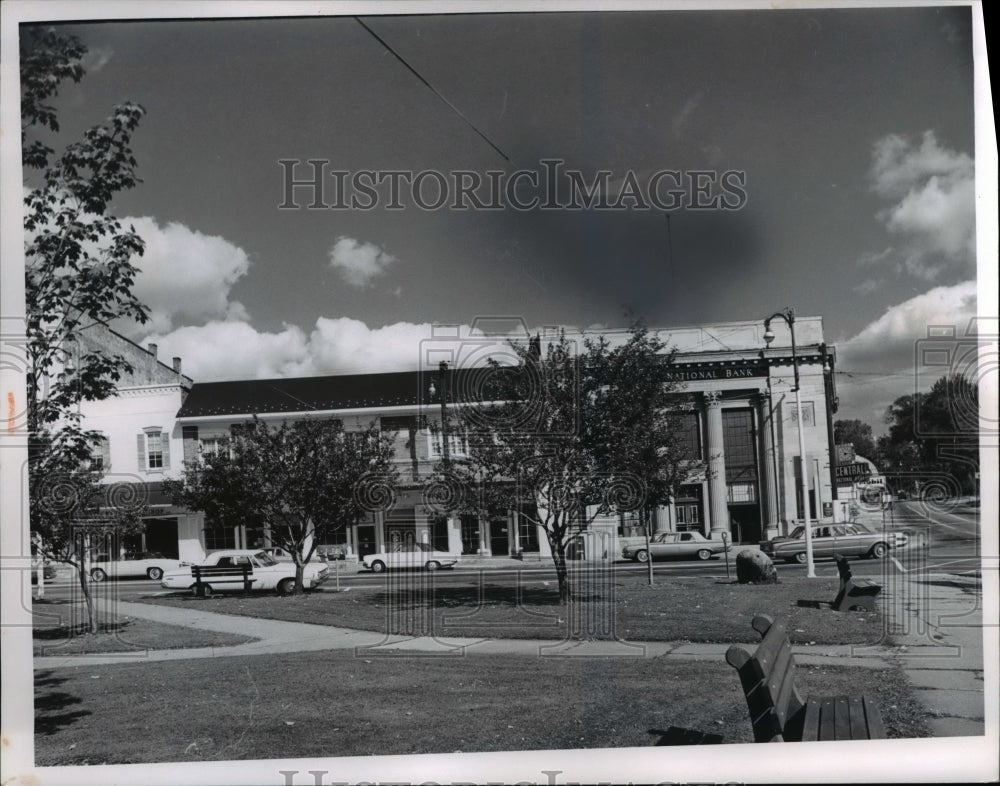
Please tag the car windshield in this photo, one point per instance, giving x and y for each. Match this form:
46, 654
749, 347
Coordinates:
264, 559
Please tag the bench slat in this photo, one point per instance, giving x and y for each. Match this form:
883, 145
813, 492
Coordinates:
810, 726
841, 719
876, 729
858, 719
826, 719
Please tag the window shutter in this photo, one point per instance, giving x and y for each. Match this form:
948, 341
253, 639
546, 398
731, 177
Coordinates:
106, 453
165, 448
140, 443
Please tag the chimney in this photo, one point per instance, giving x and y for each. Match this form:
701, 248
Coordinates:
177, 365
152, 350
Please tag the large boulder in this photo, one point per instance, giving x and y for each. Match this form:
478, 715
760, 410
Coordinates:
753, 567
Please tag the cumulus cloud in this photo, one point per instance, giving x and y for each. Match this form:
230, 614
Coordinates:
883, 361
186, 276
349, 345
235, 350
359, 263
932, 210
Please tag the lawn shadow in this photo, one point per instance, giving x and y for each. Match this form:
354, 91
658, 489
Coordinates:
814, 604
676, 735
51, 713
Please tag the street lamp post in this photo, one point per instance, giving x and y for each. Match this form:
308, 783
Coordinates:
789, 316
443, 380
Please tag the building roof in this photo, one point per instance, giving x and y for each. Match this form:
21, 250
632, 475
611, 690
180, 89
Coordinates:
303, 394
331, 393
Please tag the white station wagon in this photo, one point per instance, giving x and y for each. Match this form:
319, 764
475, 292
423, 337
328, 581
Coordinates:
265, 573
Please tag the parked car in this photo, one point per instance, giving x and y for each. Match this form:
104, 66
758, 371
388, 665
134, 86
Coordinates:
675, 545
330, 553
279, 554
266, 573
409, 555
150, 564
48, 570
851, 540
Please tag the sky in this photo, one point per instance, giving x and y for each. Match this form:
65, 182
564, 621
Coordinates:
822, 159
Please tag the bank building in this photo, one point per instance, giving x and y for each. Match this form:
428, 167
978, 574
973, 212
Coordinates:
743, 424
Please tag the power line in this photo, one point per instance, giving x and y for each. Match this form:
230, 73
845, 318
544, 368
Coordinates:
434, 90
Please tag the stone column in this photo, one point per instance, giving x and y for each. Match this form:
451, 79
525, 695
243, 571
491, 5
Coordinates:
455, 534
718, 508
768, 481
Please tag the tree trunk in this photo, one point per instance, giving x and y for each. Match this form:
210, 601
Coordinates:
562, 574
649, 556
300, 570
81, 572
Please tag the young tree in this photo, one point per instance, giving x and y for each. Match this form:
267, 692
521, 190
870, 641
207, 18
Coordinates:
73, 513
79, 269
572, 436
305, 480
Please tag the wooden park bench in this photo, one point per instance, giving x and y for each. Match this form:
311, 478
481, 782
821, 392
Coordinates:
206, 575
854, 593
777, 710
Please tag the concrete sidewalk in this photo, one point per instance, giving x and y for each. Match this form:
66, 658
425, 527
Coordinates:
937, 618
275, 636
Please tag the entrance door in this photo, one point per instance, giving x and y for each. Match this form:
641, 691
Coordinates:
499, 540
744, 523
470, 534
161, 536
366, 540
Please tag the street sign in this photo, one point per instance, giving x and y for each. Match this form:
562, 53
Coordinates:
854, 472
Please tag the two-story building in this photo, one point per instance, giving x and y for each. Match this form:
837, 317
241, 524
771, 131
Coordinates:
743, 426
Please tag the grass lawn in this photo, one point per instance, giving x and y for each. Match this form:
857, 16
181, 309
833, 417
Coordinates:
336, 704
702, 609
61, 629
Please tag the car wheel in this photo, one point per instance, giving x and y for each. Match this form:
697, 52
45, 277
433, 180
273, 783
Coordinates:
155, 573
801, 558
879, 550
98, 575
378, 566
704, 554
642, 556
286, 586
206, 590
432, 565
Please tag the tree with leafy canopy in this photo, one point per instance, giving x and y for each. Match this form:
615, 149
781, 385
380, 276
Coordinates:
935, 433
856, 433
570, 436
79, 270
304, 480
